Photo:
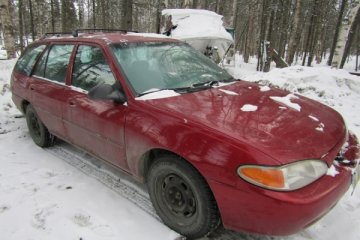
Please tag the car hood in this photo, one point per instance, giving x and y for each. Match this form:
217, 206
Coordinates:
284, 126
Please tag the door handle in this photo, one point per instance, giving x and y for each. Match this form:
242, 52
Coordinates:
32, 88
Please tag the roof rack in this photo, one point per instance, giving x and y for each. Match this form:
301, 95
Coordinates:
58, 34
76, 32
89, 30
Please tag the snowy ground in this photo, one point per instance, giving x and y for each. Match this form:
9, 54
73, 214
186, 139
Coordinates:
62, 193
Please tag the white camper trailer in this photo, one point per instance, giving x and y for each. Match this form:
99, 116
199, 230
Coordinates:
202, 29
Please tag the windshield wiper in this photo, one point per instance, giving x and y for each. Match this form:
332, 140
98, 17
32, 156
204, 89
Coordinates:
193, 88
207, 83
152, 91
178, 89
214, 82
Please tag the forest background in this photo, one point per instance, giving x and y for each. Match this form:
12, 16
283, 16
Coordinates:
301, 31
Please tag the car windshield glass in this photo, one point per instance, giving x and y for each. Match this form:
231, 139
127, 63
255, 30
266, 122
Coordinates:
154, 66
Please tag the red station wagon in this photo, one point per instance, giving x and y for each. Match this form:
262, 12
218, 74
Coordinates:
212, 149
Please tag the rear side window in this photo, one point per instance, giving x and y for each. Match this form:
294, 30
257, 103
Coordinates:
54, 63
27, 61
91, 68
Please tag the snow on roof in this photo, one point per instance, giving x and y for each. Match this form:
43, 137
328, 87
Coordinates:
149, 35
195, 23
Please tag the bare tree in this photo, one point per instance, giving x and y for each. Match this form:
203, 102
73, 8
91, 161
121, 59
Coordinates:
32, 29
6, 20
21, 27
68, 16
295, 33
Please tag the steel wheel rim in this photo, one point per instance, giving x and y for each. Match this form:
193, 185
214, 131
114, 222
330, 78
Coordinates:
178, 196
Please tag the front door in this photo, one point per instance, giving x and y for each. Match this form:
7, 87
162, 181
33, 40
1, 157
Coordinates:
95, 125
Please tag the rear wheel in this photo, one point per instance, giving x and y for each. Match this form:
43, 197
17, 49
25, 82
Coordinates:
38, 132
182, 198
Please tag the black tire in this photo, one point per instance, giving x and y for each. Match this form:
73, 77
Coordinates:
38, 132
182, 198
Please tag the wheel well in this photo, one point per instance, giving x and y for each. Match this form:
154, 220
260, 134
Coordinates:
24, 104
149, 158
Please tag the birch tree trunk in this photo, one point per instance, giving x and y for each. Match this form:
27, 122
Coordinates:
337, 30
188, 4
344, 33
6, 18
350, 38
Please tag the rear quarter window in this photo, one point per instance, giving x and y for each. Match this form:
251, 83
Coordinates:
27, 61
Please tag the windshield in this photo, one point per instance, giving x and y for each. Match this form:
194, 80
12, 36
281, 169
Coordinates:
155, 66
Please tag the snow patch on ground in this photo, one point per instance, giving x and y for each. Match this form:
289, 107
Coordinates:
287, 101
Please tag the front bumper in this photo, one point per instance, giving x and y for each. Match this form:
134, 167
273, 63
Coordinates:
253, 209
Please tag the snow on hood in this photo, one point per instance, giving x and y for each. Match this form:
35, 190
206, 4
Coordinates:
249, 108
158, 95
228, 92
252, 117
333, 87
287, 101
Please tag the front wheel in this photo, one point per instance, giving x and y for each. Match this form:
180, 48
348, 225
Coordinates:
182, 198
38, 132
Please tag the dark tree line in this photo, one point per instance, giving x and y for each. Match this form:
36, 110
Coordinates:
301, 31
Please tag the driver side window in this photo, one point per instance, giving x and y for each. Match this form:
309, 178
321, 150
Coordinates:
91, 68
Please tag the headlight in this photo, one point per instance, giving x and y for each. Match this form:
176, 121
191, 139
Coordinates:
284, 178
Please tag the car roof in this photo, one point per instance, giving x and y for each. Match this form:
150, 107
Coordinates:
108, 38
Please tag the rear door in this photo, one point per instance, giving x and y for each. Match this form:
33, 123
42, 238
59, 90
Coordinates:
47, 86
95, 125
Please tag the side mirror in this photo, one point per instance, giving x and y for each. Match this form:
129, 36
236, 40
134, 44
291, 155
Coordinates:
106, 92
